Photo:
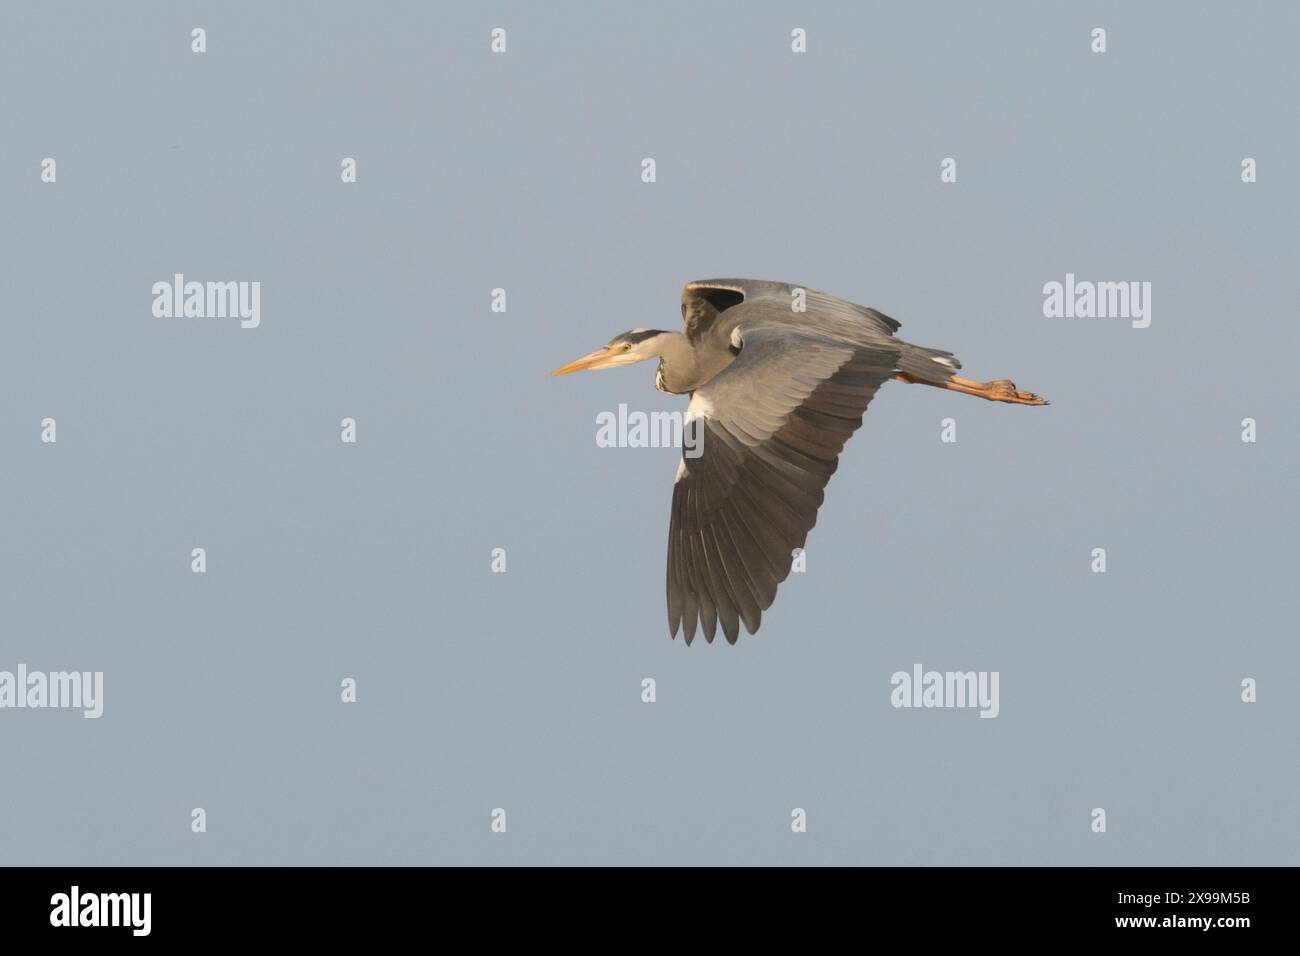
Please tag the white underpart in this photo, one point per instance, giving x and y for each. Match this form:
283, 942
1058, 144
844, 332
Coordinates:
698, 408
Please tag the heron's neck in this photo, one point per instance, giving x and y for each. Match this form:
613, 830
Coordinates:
678, 372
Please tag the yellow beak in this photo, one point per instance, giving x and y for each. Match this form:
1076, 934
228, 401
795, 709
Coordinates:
591, 360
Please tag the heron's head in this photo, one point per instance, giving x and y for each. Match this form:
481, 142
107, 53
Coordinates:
635, 346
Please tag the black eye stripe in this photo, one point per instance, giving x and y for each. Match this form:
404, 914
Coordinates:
635, 337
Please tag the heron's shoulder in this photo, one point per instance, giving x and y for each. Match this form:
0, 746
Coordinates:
749, 288
797, 303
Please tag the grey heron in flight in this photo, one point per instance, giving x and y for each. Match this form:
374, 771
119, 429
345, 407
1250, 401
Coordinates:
779, 377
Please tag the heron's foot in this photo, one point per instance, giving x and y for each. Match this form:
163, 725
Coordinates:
1004, 390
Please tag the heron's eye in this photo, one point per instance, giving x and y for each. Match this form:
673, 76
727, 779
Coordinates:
627, 346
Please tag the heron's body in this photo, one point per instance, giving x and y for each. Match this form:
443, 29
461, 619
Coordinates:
779, 377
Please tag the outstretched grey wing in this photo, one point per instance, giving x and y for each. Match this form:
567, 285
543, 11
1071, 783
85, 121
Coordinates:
772, 426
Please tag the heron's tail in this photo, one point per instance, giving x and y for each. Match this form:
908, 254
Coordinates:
931, 366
